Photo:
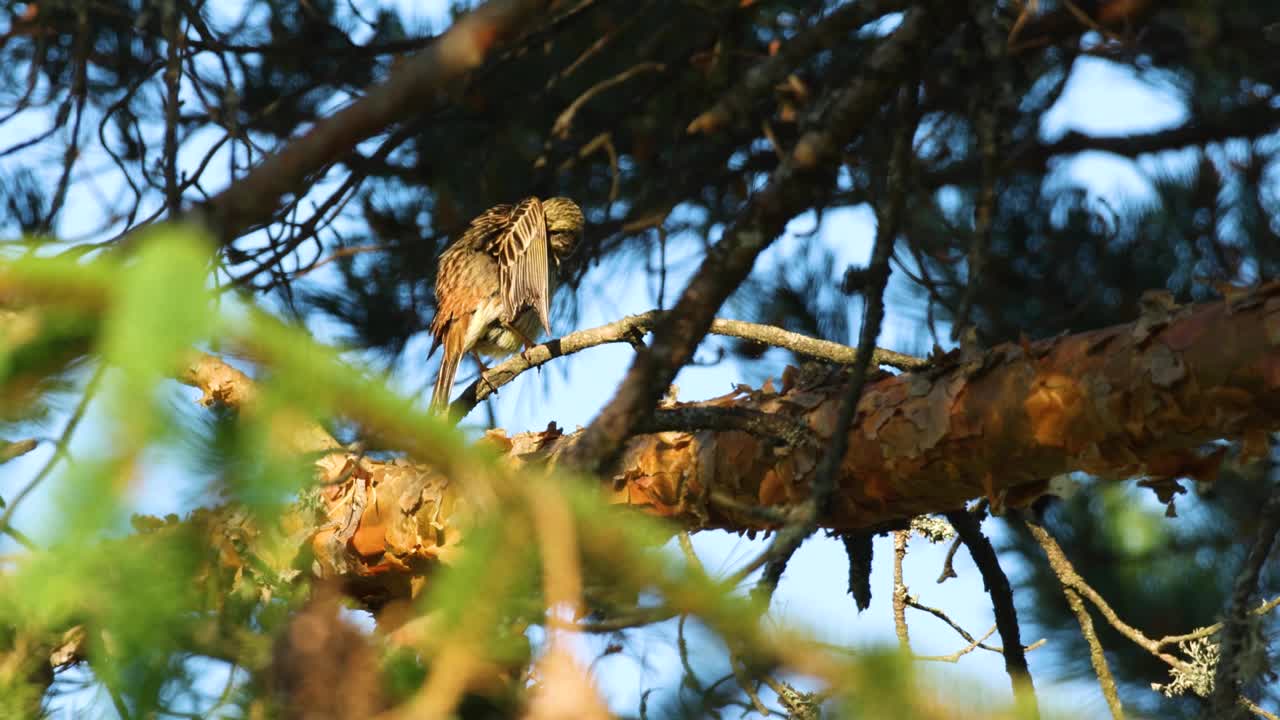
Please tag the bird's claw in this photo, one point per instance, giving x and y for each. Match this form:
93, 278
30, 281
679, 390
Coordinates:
493, 389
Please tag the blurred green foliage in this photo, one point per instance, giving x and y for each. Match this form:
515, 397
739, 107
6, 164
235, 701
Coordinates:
1055, 257
160, 602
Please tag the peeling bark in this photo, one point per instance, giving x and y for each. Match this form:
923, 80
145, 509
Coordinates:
1134, 400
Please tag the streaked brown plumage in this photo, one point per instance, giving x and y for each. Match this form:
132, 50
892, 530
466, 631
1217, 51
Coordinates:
494, 284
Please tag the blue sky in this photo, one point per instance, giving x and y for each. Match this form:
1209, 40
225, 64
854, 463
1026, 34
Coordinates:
1099, 99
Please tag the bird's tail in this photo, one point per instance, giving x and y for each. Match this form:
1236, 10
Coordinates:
444, 377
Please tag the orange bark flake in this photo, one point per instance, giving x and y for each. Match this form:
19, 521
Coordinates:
1053, 408
772, 490
370, 537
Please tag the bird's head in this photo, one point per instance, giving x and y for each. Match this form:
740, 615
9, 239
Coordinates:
564, 225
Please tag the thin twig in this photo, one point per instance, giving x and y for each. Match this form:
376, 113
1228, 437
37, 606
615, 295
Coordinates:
917, 605
690, 677
1253, 707
813, 347
335, 255
1206, 631
633, 327
948, 563
900, 538
1096, 656
80, 91
15, 449
1068, 576
252, 200
768, 514
989, 106
790, 537
564, 122
60, 447
745, 682
955, 656
983, 214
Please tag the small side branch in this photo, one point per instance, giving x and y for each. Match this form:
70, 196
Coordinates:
1096, 655
1069, 578
900, 599
997, 583
632, 328
813, 347
979, 643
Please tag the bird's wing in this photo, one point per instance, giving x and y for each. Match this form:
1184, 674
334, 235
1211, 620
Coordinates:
524, 275
465, 275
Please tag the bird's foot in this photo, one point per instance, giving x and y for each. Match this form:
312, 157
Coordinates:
484, 374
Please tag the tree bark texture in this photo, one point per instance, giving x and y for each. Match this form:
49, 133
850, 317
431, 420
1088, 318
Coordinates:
1134, 400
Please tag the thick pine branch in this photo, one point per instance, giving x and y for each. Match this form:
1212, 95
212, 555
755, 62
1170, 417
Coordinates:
1128, 401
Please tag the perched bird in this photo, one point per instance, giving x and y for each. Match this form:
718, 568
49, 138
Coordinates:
494, 284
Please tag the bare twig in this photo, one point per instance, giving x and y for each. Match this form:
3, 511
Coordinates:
1069, 578
997, 584
1096, 655
917, 605
17, 448
983, 214
771, 515
1245, 121
900, 538
252, 201
1208, 630
337, 254
60, 449
747, 684
690, 676
955, 656
813, 347
948, 563
564, 122
633, 327
79, 90
1254, 708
